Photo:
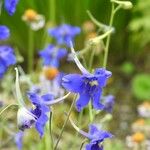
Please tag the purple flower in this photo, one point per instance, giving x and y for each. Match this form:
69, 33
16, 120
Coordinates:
19, 139
10, 6
51, 55
96, 136
64, 33
89, 86
108, 102
4, 32
7, 58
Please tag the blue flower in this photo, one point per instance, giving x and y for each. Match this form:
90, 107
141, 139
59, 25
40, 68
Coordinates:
4, 32
19, 139
51, 55
96, 136
40, 110
10, 6
108, 102
7, 58
64, 33
89, 86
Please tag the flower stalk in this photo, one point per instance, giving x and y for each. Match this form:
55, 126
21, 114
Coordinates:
65, 123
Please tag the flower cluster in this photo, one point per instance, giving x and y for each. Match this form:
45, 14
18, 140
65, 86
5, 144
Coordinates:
7, 57
51, 55
64, 34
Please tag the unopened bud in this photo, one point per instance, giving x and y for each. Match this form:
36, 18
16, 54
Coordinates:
127, 5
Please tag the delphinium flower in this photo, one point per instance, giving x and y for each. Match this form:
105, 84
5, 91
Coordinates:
7, 58
4, 32
36, 116
108, 102
51, 55
10, 6
64, 33
87, 85
96, 136
33, 19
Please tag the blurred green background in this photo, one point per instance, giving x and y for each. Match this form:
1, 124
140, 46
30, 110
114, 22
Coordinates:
129, 54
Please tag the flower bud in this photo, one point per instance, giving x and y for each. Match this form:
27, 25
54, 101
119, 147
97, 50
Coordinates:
25, 119
126, 5
123, 4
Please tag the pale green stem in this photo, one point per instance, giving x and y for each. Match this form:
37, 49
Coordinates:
108, 38
90, 112
100, 25
65, 123
30, 50
83, 142
50, 129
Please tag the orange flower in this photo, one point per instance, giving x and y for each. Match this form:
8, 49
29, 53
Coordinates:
140, 122
30, 15
50, 72
138, 137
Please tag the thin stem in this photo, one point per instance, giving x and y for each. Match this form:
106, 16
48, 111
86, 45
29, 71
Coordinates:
65, 123
108, 38
91, 60
100, 25
30, 50
90, 112
83, 142
50, 130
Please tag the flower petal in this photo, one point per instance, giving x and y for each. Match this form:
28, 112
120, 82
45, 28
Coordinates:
96, 100
82, 101
92, 129
73, 83
40, 124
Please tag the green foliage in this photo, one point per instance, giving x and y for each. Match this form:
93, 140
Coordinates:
127, 68
114, 145
140, 24
141, 86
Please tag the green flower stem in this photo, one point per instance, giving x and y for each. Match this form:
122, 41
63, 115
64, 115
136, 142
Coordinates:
83, 142
108, 38
65, 123
30, 50
91, 112
100, 25
50, 130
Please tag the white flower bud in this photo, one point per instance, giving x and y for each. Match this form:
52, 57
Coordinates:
127, 5
25, 119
